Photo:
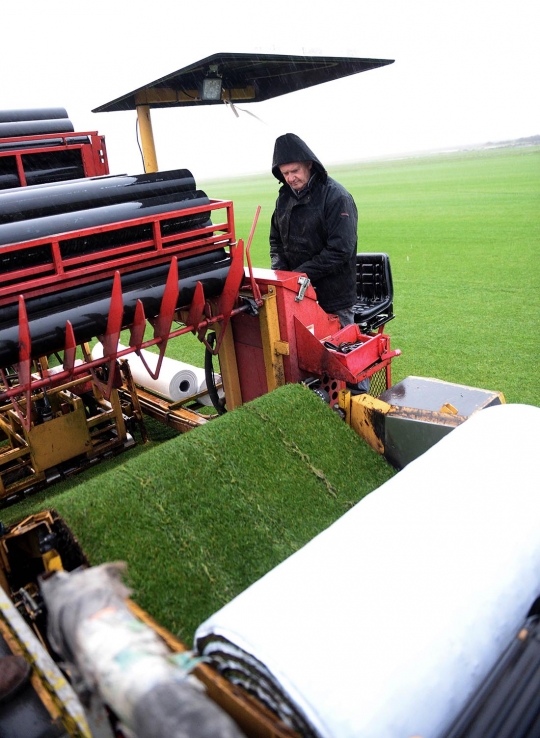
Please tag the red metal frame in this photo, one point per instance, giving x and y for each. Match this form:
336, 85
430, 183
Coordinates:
371, 355
65, 272
304, 327
225, 305
93, 153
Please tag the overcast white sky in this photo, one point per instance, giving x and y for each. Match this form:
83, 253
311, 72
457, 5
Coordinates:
465, 72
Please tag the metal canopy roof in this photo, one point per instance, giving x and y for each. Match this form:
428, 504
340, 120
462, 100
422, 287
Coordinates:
245, 77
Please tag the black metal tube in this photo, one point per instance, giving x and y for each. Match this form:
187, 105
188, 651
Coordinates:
91, 192
35, 127
51, 225
37, 307
42, 142
23, 114
89, 319
7, 181
54, 174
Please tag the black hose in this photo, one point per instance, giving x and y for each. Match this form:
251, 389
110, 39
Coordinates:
217, 402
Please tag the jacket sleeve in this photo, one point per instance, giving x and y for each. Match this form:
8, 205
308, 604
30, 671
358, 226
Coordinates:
341, 222
277, 252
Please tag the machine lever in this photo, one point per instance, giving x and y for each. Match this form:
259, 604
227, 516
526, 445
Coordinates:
304, 283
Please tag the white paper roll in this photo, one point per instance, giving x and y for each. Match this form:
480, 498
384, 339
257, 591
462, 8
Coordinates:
176, 381
385, 624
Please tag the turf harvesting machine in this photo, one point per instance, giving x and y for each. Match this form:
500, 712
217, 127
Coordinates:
132, 251
152, 257
84, 257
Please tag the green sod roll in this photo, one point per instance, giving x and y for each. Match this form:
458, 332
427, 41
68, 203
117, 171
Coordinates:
204, 515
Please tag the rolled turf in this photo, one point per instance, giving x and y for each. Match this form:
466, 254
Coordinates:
205, 514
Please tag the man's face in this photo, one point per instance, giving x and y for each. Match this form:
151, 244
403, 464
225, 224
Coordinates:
297, 173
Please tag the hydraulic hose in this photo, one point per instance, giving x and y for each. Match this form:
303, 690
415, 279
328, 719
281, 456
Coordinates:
209, 376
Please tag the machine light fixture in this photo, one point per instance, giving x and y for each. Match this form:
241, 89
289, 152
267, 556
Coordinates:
211, 86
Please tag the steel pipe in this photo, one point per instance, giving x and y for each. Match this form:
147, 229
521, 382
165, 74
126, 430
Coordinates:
36, 177
24, 114
38, 201
35, 127
15, 233
9, 180
44, 142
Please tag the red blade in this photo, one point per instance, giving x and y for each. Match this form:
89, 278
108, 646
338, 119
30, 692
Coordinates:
196, 309
70, 349
138, 327
114, 321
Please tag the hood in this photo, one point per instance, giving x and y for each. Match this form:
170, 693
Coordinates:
289, 148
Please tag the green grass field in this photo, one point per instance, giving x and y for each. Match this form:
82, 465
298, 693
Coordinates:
463, 234
198, 517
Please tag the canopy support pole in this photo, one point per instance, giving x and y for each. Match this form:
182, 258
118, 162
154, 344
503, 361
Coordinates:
147, 138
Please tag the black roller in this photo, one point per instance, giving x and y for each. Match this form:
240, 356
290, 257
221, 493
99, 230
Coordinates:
44, 142
52, 166
37, 307
15, 116
78, 245
35, 127
7, 181
9, 174
89, 319
57, 165
54, 174
90, 192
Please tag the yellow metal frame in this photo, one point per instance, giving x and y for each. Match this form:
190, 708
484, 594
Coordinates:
24, 637
273, 347
160, 95
252, 717
229, 368
27, 455
363, 414
61, 438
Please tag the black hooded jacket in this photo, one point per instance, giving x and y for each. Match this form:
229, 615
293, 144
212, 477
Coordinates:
315, 231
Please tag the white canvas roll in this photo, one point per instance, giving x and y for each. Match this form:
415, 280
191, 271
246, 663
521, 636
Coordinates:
176, 381
384, 624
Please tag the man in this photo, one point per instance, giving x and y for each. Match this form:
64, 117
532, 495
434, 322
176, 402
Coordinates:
314, 227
